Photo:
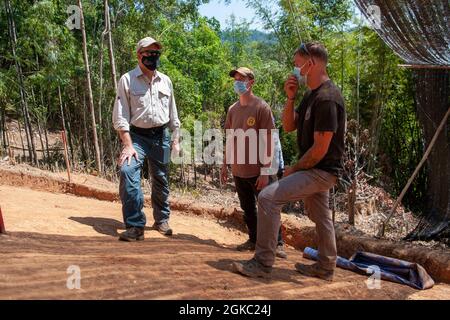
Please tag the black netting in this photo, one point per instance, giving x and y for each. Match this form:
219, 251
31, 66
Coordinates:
418, 31
432, 100
431, 227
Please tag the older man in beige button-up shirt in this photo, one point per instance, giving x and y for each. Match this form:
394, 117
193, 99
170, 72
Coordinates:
144, 112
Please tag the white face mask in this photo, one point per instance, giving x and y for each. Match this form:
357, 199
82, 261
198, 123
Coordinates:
298, 74
302, 80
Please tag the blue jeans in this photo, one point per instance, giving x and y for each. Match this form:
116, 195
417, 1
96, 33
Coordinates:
156, 148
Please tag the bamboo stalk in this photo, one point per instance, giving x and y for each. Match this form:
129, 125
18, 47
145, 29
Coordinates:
89, 91
66, 154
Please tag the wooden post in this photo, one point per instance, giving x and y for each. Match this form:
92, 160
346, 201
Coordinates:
413, 176
66, 153
351, 198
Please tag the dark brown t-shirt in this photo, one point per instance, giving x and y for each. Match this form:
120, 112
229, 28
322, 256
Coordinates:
323, 109
255, 116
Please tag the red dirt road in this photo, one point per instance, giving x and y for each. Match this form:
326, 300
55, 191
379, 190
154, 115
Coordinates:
48, 232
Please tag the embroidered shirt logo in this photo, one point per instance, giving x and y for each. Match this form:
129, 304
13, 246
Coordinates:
251, 121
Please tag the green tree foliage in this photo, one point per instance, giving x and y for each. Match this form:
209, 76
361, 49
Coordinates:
198, 55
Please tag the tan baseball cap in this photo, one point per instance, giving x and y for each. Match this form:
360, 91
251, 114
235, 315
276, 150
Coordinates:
246, 72
148, 41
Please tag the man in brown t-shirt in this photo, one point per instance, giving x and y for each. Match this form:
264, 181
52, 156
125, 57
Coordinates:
320, 122
248, 121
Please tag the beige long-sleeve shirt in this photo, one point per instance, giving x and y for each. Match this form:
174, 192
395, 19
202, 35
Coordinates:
145, 103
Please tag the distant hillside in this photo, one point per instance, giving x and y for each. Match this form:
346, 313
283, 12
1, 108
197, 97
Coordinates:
255, 35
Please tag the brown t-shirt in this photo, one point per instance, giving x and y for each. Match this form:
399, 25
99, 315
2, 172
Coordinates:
323, 109
255, 116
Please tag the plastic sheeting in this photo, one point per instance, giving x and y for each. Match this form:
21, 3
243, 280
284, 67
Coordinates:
391, 269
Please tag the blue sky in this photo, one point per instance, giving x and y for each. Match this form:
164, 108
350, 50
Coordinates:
222, 12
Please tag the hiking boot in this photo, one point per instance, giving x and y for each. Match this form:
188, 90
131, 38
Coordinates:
315, 270
280, 253
246, 246
163, 228
132, 234
252, 268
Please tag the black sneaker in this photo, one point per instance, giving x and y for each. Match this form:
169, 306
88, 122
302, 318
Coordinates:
132, 234
246, 246
315, 270
280, 253
253, 269
163, 228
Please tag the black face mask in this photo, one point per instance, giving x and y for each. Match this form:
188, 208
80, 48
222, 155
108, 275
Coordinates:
151, 62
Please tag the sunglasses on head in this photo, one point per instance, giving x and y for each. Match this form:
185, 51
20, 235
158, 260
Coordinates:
304, 49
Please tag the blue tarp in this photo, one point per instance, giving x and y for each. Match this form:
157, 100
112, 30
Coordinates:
391, 269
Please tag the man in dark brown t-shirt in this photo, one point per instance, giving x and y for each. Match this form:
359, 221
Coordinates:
248, 119
320, 122
322, 110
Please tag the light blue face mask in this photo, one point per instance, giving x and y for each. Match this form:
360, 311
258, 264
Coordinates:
297, 74
240, 87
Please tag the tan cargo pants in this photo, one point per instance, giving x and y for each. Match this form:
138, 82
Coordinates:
312, 186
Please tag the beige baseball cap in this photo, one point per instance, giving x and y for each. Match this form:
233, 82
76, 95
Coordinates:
246, 72
148, 41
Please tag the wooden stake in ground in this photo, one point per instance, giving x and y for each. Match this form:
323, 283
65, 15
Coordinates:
2, 223
66, 153
411, 179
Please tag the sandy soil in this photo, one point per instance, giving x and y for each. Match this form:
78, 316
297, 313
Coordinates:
47, 233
